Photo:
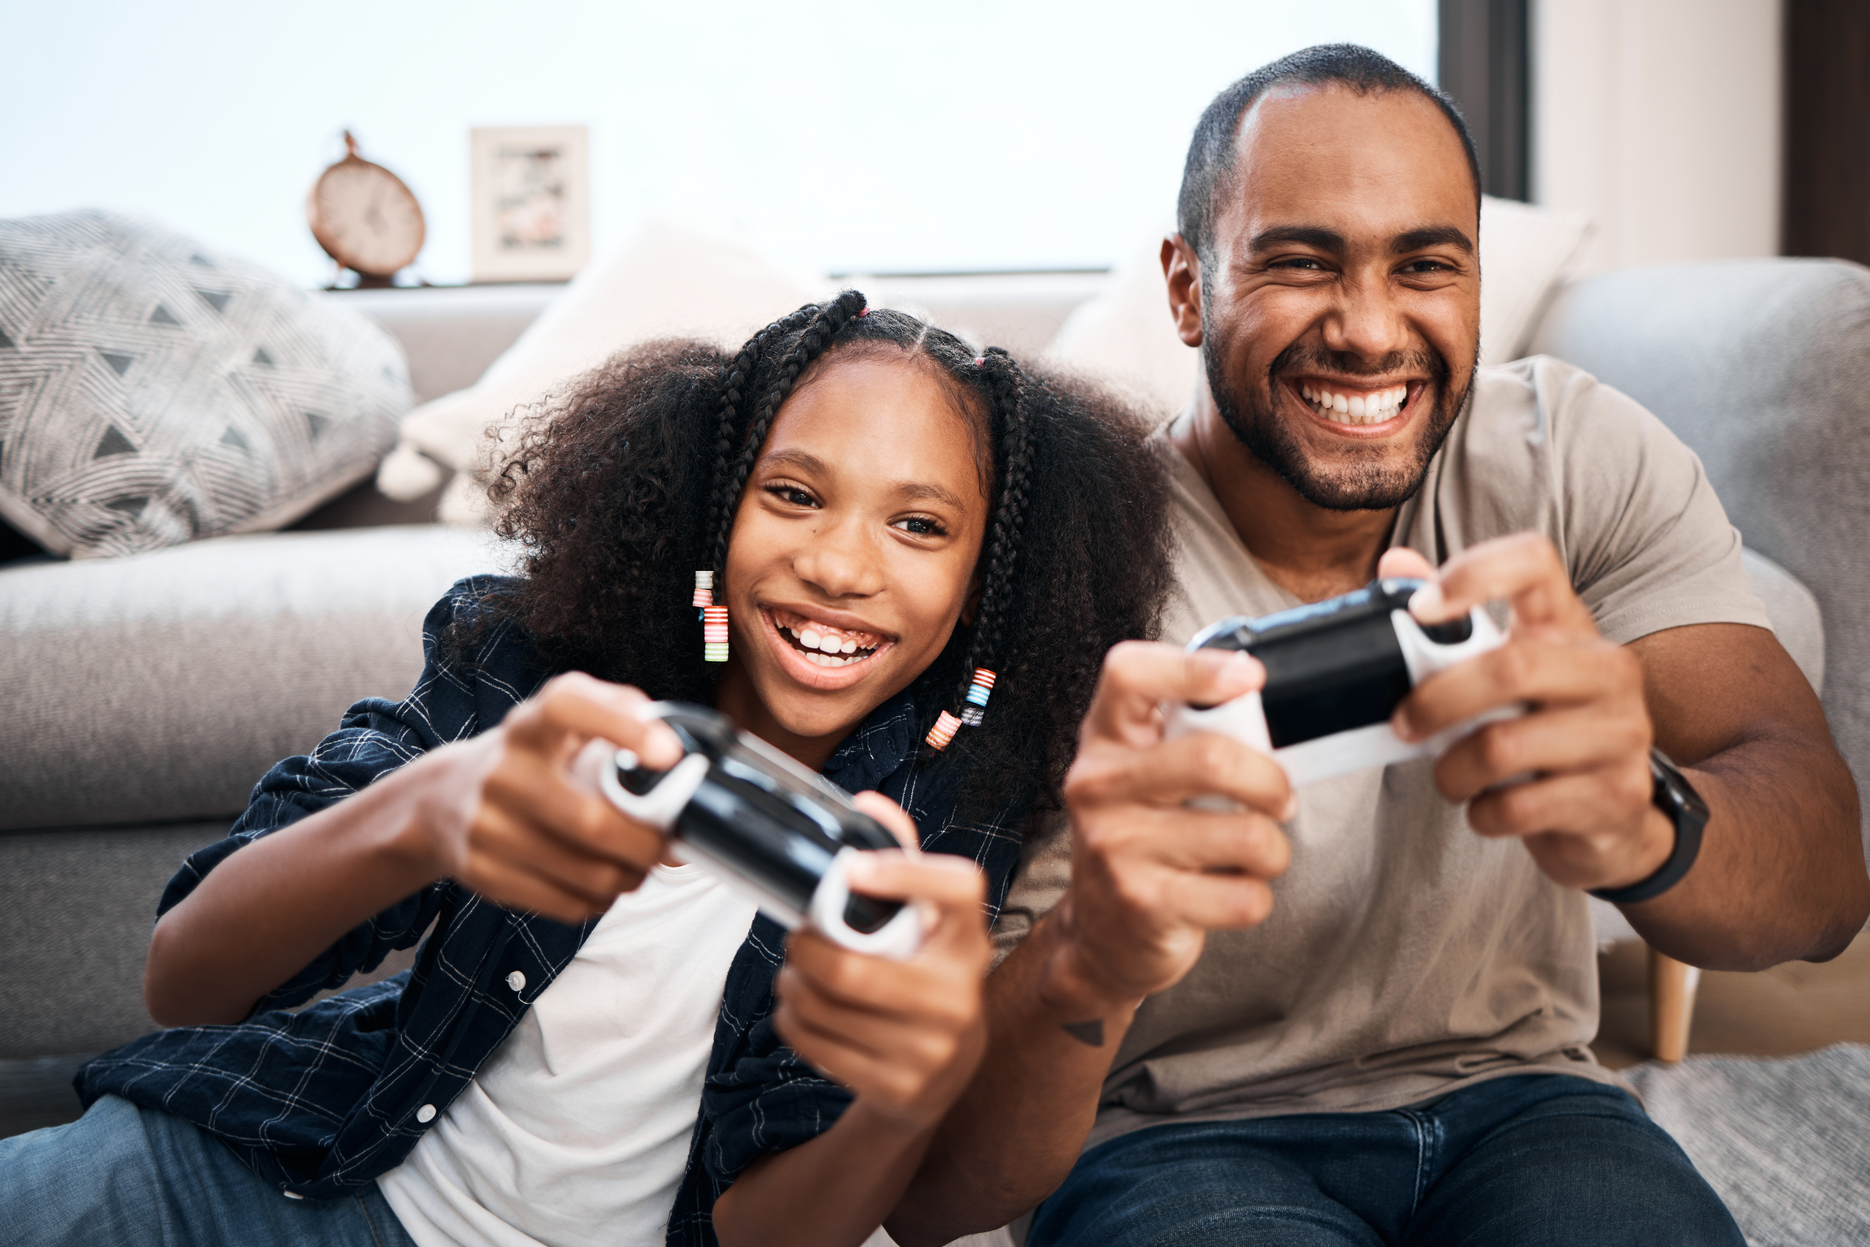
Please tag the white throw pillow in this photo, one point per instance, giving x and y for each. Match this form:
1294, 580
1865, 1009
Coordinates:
667, 282
1126, 337
153, 390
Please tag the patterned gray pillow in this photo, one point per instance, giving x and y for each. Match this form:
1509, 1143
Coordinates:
153, 390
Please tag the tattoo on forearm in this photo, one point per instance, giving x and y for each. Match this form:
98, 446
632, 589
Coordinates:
1090, 1034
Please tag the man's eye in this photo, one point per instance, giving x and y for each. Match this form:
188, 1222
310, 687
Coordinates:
922, 526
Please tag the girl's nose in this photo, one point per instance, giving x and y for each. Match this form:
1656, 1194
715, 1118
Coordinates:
840, 563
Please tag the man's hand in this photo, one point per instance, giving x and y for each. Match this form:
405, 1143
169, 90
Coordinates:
511, 820
1585, 815
1149, 875
904, 1036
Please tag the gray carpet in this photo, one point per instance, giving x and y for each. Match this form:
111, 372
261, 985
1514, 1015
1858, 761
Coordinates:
1785, 1141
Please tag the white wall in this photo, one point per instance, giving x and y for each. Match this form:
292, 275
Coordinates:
1660, 118
837, 135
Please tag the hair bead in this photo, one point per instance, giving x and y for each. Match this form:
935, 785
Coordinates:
943, 731
714, 634
704, 590
972, 713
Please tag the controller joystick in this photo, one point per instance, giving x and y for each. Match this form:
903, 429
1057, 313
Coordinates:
768, 826
1335, 672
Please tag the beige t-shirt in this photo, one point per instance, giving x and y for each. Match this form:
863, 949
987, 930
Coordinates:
1407, 956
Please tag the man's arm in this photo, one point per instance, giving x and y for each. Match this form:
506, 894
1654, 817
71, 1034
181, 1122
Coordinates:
1149, 878
1781, 869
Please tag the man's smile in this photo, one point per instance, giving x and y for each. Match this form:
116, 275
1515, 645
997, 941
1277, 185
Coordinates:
1360, 410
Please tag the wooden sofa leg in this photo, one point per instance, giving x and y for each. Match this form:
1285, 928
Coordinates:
1671, 1005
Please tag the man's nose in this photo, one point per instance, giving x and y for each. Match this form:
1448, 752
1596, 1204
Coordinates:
840, 561
1367, 321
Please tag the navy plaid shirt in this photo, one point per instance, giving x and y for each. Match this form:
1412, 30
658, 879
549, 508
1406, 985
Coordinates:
322, 1101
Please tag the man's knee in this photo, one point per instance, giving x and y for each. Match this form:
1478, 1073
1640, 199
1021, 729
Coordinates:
1194, 1186
1593, 1169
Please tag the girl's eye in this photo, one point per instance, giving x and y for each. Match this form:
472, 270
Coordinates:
922, 526
792, 495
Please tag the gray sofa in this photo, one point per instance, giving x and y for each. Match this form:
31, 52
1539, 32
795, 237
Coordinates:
147, 694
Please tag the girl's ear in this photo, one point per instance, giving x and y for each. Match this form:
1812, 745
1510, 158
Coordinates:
970, 609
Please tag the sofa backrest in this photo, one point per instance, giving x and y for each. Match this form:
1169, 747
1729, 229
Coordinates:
1763, 368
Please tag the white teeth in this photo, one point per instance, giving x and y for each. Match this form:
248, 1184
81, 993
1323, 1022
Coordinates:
1359, 408
824, 648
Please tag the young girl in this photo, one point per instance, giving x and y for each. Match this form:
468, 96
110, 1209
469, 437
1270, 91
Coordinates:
894, 528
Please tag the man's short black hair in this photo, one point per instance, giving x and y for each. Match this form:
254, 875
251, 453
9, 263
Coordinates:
1211, 153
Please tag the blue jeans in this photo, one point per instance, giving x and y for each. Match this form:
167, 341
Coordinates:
125, 1175
1526, 1160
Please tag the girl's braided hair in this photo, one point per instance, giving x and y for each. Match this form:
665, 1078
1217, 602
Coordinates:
625, 484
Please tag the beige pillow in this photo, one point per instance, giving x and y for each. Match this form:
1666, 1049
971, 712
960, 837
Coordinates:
1125, 334
667, 281
154, 390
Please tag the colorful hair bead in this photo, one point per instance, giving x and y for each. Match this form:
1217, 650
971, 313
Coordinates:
943, 731
971, 714
704, 590
714, 634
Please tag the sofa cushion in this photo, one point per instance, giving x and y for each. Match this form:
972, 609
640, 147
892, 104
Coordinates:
163, 685
667, 282
153, 390
1763, 368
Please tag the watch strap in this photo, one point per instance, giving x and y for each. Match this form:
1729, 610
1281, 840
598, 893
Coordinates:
1676, 797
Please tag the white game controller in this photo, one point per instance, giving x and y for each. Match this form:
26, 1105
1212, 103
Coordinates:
1335, 672
770, 828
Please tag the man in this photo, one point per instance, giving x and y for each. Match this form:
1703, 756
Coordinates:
1389, 1044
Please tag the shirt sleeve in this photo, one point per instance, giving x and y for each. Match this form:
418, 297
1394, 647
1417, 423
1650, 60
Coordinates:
375, 736
1647, 541
1040, 879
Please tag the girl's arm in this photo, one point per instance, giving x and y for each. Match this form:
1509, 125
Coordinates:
905, 1036
501, 814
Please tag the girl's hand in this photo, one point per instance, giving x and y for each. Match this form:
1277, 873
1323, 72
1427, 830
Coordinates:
904, 1036
514, 818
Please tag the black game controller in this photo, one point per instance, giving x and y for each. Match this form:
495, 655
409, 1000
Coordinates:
1335, 672
768, 826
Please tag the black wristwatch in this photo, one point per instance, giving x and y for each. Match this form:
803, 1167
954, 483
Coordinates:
1676, 797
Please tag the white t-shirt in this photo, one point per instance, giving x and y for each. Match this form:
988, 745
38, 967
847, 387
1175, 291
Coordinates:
576, 1130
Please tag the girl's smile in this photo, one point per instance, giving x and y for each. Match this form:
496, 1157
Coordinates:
821, 653
853, 551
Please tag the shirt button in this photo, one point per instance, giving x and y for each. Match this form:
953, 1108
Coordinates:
426, 1114
516, 981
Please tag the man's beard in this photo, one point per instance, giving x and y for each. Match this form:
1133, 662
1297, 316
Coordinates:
1365, 482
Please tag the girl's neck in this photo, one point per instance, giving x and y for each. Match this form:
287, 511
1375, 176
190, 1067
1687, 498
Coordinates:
735, 697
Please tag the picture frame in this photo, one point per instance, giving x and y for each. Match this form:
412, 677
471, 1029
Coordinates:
531, 191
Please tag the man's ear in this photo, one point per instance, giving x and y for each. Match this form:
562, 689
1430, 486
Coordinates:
1181, 269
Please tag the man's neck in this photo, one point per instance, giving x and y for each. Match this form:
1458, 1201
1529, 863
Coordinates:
1310, 552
